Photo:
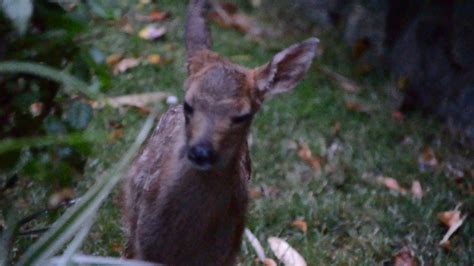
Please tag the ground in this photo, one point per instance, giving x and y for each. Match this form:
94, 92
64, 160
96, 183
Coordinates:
352, 219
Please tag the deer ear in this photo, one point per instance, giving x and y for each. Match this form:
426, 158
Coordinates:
286, 69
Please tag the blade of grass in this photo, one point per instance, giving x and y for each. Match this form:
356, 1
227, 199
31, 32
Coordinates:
76, 243
71, 83
70, 222
73, 138
104, 261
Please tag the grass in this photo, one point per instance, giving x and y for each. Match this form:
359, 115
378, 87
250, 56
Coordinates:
352, 219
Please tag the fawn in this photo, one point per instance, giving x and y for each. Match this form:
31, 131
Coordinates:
186, 192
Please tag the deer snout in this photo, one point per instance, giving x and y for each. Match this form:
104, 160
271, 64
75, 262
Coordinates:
202, 155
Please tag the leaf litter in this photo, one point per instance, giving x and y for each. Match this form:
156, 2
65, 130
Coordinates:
453, 220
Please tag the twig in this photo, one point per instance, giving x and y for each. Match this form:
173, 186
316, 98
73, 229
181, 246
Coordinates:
33, 232
42, 212
344, 82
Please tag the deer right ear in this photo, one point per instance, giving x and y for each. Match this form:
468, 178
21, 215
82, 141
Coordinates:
286, 69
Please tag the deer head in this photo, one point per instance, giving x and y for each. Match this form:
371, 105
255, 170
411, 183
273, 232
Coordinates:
222, 97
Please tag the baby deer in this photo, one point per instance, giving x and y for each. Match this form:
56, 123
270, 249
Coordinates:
186, 192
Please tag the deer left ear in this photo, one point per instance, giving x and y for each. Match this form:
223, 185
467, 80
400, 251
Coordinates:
286, 69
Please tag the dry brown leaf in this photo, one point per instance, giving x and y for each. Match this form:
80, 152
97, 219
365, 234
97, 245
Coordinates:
125, 64
453, 220
300, 224
427, 159
397, 115
59, 197
404, 257
391, 183
416, 189
306, 155
154, 59
344, 82
263, 191
357, 107
269, 262
255, 192
152, 32
142, 100
154, 16
115, 134
285, 253
449, 218
36, 108
116, 247
113, 59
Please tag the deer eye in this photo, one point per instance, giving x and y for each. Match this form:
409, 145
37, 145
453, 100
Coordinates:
188, 109
241, 118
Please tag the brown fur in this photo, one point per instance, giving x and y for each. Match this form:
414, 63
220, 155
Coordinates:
176, 212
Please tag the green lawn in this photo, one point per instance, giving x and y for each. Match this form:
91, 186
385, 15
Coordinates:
351, 218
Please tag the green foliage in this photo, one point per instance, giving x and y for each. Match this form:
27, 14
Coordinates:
79, 115
78, 215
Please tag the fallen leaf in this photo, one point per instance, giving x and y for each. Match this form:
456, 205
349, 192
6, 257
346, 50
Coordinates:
344, 82
427, 159
116, 247
125, 64
452, 219
36, 108
142, 100
154, 16
115, 134
404, 257
416, 189
397, 115
449, 218
263, 191
255, 192
256, 245
357, 107
59, 197
152, 32
269, 262
285, 253
300, 224
306, 155
154, 59
113, 59
391, 183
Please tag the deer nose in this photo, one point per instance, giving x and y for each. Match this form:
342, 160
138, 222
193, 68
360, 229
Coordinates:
202, 154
